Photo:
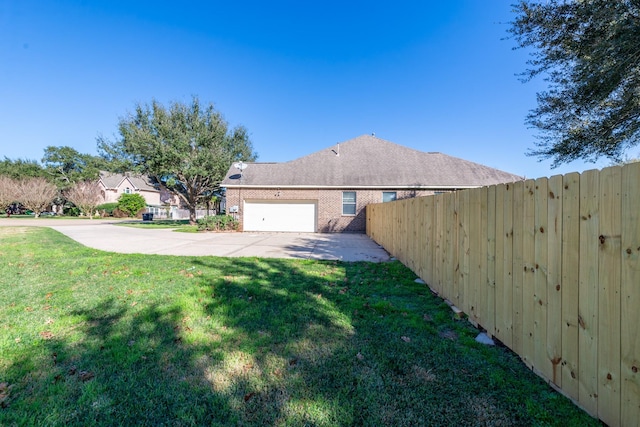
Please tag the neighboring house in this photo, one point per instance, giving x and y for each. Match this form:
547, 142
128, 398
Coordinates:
114, 185
328, 191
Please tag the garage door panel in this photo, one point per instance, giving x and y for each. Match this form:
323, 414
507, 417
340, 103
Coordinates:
285, 215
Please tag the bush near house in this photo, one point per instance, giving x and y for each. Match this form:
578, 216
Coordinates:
217, 223
71, 211
131, 204
106, 209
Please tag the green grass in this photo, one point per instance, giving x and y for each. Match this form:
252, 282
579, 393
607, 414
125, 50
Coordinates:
24, 216
181, 225
96, 338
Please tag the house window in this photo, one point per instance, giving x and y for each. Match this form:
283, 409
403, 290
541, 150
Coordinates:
389, 196
348, 203
127, 190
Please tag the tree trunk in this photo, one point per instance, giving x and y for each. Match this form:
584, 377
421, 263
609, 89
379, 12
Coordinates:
192, 216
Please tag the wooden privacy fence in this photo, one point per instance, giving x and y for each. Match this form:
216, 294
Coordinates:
550, 267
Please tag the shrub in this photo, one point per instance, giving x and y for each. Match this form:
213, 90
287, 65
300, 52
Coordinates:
106, 209
117, 213
71, 211
132, 204
218, 223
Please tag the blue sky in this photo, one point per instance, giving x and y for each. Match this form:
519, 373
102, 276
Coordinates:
301, 76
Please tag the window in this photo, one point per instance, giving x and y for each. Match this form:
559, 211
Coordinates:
389, 196
127, 190
348, 203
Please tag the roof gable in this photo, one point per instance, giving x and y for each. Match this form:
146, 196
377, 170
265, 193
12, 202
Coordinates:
115, 180
371, 162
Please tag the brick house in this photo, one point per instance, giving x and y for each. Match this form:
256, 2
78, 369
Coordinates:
327, 191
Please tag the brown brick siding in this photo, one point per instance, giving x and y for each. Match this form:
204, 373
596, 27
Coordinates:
329, 204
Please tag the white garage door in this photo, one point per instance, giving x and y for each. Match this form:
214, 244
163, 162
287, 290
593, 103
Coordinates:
281, 215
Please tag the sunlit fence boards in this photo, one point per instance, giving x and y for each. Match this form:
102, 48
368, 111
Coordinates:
550, 267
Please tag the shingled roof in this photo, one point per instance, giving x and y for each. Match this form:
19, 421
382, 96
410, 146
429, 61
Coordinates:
113, 180
367, 161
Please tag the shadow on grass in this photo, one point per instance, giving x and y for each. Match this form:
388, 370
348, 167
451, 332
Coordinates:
228, 351
121, 370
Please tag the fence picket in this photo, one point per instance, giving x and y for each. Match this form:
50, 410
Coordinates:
630, 292
455, 241
475, 245
498, 274
507, 274
570, 283
609, 269
554, 277
489, 321
518, 264
463, 250
540, 270
588, 291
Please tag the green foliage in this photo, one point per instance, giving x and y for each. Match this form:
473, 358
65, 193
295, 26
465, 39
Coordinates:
71, 211
218, 223
106, 209
131, 204
588, 51
67, 166
186, 148
19, 169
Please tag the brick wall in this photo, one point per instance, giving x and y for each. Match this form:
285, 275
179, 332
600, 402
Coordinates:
329, 204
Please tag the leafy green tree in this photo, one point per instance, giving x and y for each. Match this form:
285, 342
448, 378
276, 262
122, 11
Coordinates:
131, 203
588, 51
186, 148
21, 168
67, 166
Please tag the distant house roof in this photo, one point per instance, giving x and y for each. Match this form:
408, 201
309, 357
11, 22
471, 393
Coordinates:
367, 161
113, 180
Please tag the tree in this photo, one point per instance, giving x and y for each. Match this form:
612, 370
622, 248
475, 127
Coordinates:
67, 166
86, 195
185, 148
8, 187
588, 50
131, 203
21, 168
36, 194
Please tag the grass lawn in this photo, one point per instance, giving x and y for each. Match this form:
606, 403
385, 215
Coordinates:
181, 225
96, 338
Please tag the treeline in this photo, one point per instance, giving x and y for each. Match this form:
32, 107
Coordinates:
185, 149
65, 179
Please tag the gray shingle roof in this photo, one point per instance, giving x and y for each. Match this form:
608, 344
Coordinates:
367, 161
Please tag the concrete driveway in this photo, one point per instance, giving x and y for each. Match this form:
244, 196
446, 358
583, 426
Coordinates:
106, 236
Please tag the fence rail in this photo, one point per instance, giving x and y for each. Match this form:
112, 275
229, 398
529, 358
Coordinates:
550, 267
